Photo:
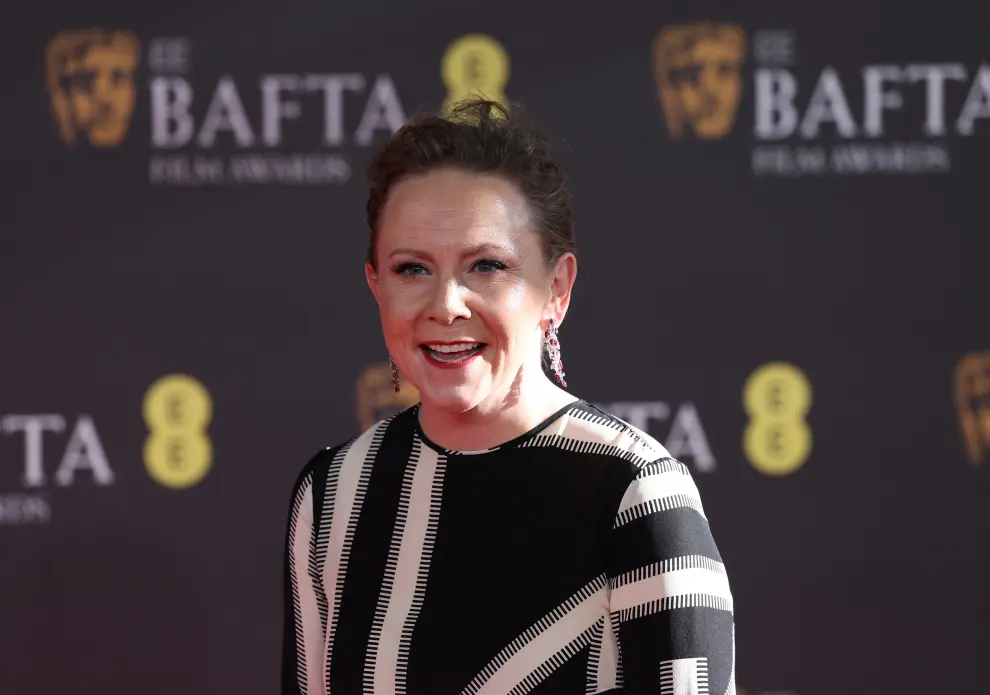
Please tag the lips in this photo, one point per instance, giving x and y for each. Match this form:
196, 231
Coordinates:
452, 353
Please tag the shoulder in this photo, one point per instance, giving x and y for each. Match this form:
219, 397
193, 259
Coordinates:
588, 428
321, 463
638, 460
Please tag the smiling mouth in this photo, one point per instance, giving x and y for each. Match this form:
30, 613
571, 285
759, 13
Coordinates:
452, 353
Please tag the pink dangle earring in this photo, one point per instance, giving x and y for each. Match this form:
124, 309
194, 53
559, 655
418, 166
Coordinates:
552, 346
395, 373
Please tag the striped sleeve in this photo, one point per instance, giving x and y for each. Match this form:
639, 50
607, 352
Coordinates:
304, 629
670, 603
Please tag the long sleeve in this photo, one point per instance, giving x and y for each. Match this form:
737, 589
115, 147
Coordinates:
304, 628
670, 602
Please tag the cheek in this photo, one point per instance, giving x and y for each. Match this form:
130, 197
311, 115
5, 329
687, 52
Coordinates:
398, 307
515, 313
518, 298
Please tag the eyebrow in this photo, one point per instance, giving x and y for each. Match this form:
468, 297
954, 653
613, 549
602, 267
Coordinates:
471, 251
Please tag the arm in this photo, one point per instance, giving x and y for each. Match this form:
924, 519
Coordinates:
670, 603
303, 636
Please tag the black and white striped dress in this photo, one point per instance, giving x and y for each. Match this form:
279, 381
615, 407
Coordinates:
576, 558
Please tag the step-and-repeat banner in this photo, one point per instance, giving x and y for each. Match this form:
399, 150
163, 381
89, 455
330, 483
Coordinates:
785, 218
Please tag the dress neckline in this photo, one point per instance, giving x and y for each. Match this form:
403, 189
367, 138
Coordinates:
515, 441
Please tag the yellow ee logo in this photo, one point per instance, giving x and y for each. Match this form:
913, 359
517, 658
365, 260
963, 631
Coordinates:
777, 398
475, 65
177, 409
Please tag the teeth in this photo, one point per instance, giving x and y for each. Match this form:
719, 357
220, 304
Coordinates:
457, 347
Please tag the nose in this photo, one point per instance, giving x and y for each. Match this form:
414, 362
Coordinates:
448, 303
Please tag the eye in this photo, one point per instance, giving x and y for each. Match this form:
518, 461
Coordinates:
409, 269
488, 266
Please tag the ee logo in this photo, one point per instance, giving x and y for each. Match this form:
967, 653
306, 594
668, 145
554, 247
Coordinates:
777, 398
476, 65
177, 409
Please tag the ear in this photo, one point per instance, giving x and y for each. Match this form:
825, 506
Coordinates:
561, 283
371, 276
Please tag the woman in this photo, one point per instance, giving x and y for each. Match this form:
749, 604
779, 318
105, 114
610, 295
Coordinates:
501, 536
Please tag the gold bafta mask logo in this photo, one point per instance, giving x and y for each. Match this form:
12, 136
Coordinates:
90, 80
972, 395
376, 396
475, 65
698, 70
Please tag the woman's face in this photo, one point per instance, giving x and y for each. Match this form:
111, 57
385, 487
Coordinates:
463, 288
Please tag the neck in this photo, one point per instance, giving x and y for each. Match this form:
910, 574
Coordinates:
530, 400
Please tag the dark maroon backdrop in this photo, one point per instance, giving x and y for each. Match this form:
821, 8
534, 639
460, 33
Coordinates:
836, 221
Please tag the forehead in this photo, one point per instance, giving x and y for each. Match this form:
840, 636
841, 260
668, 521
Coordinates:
107, 56
455, 209
706, 50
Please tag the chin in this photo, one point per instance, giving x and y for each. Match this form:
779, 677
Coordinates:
452, 399
455, 388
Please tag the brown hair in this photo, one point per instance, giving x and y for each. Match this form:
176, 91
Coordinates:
481, 136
